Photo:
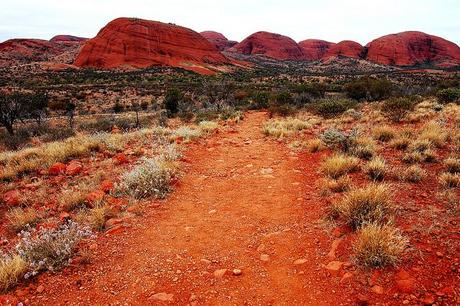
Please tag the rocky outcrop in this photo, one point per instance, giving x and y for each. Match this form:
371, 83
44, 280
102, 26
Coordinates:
218, 40
413, 48
346, 48
271, 45
137, 43
315, 49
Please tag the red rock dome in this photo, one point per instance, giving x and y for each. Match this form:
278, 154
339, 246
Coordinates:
346, 48
413, 48
137, 43
271, 45
218, 40
67, 38
315, 49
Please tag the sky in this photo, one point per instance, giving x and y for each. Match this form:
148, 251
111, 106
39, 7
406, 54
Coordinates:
332, 20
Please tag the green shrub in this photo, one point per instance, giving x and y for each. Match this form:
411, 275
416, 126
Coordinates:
449, 95
369, 89
332, 107
397, 108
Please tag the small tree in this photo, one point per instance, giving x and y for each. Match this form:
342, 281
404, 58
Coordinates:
172, 99
397, 108
12, 109
70, 112
136, 107
117, 108
37, 107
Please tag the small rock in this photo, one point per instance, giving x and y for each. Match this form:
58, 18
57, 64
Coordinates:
429, 299
120, 158
300, 261
57, 169
40, 289
265, 257
237, 272
12, 198
404, 282
334, 267
95, 196
346, 276
220, 273
74, 168
163, 296
377, 289
107, 186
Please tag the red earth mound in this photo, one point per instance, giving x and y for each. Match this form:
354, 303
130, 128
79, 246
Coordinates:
413, 48
315, 49
271, 45
218, 40
137, 43
68, 38
346, 48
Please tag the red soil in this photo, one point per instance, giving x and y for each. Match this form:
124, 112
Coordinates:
137, 43
271, 45
218, 40
412, 48
246, 202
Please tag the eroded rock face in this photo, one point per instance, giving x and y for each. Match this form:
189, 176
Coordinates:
67, 39
218, 40
413, 48
271, 45
137, 43
346, 48
315, 49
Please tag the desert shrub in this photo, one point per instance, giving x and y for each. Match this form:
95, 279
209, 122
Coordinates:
50, 249
283, 127
313, 89
208, 126
379, 246
384, 133
413, 174
332, 107
152, 177
376, 169
19, 218
12, 269
336, 139
452, 165
95, 217
365, 205
338, 165
448, 95
449, 180
420, 145
397, 108
369, 89
58, 134
260, 100
315, 145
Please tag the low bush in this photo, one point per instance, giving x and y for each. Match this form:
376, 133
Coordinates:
284, 127
338, 165
384, 133
379, 246
413, 174
397, 108
365, 205
332, 107
448, 95
376, 169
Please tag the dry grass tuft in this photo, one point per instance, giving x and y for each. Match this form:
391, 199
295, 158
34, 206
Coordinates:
280, 128
400, 143
434, 133
452, 165
208, 127
379, 246
20, 218
413, 174
338, 165
12, 269
365, 205
384, 133
449, 180
340, 184
376, 169
315, 145
363, 147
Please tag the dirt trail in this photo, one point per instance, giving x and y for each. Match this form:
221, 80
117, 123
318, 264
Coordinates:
242, 196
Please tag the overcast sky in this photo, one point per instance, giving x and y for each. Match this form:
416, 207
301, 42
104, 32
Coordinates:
333, 20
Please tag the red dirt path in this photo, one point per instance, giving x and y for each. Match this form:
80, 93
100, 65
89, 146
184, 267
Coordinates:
242, 195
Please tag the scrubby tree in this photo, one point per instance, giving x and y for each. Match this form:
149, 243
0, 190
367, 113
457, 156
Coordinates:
37, 107
12, 109
397, 108
172, 99
70, 112
370, 89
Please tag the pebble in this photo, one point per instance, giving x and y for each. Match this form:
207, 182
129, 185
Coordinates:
237, 272
265, 257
